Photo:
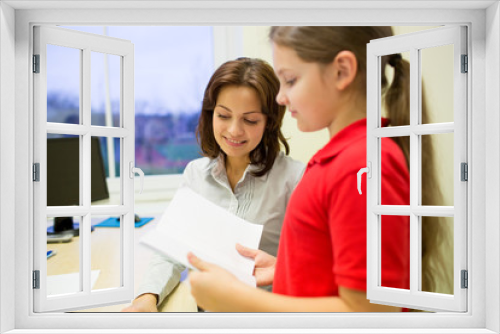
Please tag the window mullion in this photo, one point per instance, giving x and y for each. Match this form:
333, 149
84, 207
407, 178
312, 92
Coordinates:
414, 172
85, 177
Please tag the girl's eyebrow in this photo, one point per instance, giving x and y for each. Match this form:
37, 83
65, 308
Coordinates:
245, 113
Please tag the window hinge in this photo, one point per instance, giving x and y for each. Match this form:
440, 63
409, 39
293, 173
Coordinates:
36, 172
465, 279
36, 63
36, 279
465, 64
464, 171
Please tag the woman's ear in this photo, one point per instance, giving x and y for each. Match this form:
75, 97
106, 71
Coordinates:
345, 66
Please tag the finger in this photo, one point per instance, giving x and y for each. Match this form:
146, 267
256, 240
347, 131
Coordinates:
197, 262
247, 252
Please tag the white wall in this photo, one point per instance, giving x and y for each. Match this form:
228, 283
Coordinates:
492, 161
7, 91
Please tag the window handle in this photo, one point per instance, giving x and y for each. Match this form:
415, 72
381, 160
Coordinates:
137, 170
368, 171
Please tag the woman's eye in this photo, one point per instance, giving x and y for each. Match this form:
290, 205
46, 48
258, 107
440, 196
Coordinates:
290, 82
251, 122
222, 116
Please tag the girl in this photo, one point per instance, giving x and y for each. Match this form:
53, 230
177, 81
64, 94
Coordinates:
321, 262
244, 169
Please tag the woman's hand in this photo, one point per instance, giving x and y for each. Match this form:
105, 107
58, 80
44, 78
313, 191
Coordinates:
264, 264
214, 288
143, 303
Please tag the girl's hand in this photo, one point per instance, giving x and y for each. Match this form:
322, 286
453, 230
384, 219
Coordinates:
213, 288
143, 303
264, 264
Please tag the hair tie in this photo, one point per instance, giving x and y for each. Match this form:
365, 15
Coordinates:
394, 59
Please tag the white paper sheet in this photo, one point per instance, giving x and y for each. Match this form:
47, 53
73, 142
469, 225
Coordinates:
67, 283
192, 223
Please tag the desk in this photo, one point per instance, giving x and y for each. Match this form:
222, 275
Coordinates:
105, 255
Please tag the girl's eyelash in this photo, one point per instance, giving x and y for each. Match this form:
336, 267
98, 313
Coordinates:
251, 122
290, 82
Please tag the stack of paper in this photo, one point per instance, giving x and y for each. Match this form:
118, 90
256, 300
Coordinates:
192, 223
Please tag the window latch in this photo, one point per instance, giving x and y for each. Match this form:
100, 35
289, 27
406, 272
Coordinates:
368, 171
139, 171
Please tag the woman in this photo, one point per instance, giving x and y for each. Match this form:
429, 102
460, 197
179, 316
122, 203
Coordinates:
244, 169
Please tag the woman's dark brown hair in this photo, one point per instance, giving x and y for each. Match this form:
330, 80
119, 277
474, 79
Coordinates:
321, 44
258, 75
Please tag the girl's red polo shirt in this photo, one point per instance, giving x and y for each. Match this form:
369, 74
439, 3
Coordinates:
323, 239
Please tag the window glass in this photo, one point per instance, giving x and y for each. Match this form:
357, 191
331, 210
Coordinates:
63, 170
437, 254
105, 89
437, 177
105, 250
395, 91
395, 252
436, 68
63, 256
63, 84
172, 66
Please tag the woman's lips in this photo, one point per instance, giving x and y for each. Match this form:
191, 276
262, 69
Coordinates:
234, 143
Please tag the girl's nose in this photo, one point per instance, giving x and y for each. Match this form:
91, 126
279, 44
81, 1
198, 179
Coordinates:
281, 98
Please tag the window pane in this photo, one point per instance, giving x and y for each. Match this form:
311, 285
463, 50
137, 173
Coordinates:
63, 84
437, 254
106, 252
394, 169
437, 169
169, 80
63, 256
105, 89
395, 251
105, 163
63, 170
437, 69
396, 93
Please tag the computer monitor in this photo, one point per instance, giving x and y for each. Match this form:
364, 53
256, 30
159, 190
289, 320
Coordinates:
63, 176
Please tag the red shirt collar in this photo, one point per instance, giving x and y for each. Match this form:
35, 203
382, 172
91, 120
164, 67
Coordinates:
341, 140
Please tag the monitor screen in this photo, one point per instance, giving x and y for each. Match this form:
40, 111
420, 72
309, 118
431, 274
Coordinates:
63, 171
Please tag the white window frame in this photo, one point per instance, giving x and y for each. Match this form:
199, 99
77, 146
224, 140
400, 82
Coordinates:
85, 43
483, 20
414, 43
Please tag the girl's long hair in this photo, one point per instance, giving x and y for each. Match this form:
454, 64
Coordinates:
321, 44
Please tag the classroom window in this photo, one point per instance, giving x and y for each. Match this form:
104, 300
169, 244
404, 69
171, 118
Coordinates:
172, 67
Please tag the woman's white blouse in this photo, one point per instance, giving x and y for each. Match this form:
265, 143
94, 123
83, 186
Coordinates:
260, 200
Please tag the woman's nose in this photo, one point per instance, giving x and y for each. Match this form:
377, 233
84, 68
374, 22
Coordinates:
235, 129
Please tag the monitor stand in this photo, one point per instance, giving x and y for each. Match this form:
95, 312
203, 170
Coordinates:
66, 225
